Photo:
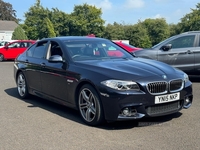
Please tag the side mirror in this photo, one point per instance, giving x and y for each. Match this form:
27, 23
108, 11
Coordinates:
56, 58
6, 47
166, 47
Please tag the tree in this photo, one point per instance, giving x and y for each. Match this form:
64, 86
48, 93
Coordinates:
191, 21
158, 29
37, 23
86, 19
7, 12
47, 29
137, 35
114, 31
174, 29
60, 21
19, 34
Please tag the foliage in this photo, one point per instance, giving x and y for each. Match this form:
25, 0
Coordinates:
19, 34
137, 35
114, 32
37, 25
7, 12
158, 29
86, 19
60, 21
46, 29
191, 21
174, 29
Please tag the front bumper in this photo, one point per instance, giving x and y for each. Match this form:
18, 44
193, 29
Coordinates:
129, 106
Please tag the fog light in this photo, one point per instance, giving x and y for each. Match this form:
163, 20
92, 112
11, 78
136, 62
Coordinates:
126, 111
187, 102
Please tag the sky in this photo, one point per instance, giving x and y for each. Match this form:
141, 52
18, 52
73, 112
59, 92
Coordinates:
120, 11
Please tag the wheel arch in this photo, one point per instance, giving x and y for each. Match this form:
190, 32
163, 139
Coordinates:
79, 87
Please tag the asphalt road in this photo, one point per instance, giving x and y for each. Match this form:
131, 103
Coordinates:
36, 124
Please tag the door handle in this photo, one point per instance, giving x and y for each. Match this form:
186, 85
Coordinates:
189, 52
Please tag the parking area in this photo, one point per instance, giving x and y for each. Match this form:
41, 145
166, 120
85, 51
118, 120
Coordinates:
36, 124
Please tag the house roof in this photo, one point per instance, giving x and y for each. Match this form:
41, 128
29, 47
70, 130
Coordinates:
8, 25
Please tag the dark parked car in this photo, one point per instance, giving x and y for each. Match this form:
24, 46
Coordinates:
181, 51
100, 79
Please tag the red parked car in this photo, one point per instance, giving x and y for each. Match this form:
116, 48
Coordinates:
128, 47
13, 49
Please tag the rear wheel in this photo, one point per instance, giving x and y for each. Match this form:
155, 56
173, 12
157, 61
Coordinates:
90, 106
1, 57
22, 86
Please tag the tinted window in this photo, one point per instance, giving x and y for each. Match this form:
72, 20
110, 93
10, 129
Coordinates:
30, 51
182, 42
97, 49
40, 49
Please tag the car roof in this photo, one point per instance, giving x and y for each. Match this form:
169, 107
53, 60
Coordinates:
64, 38
190, 32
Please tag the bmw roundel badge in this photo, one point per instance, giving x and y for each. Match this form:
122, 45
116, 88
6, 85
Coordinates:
164, 76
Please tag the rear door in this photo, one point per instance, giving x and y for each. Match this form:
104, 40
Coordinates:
35, 56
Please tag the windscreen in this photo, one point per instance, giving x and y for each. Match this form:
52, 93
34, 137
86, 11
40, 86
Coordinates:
95, 49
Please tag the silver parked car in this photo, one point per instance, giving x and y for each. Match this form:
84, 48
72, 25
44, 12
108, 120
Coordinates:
181, 51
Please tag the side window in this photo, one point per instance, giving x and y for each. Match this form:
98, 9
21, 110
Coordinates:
55, 49
14, 45
22, 44
40, 49
183, 42
30, 51
28, 44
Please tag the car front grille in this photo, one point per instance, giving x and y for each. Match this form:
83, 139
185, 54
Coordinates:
162, 86
176, 85
164, 108
157, 87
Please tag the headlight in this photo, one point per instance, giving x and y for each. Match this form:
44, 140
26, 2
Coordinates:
186, 78
121, 85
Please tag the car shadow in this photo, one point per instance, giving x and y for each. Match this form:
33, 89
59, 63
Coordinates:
74, 115
34, 101
153, 121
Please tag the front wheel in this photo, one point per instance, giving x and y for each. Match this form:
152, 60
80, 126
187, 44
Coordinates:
22, 86
90, 106
1, 57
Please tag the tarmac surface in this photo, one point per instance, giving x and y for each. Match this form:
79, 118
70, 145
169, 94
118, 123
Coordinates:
37, 124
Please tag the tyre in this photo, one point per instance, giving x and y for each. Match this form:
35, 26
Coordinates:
1, 57
90, 106
22, 86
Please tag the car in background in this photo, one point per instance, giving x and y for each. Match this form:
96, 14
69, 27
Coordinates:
5, 42
13, 49
81, 73
181, 51
128, 47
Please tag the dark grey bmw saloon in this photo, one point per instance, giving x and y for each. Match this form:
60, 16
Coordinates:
100, 79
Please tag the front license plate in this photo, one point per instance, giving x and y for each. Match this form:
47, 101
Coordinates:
167, 98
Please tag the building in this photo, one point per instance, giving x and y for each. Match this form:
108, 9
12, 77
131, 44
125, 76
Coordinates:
6, 29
